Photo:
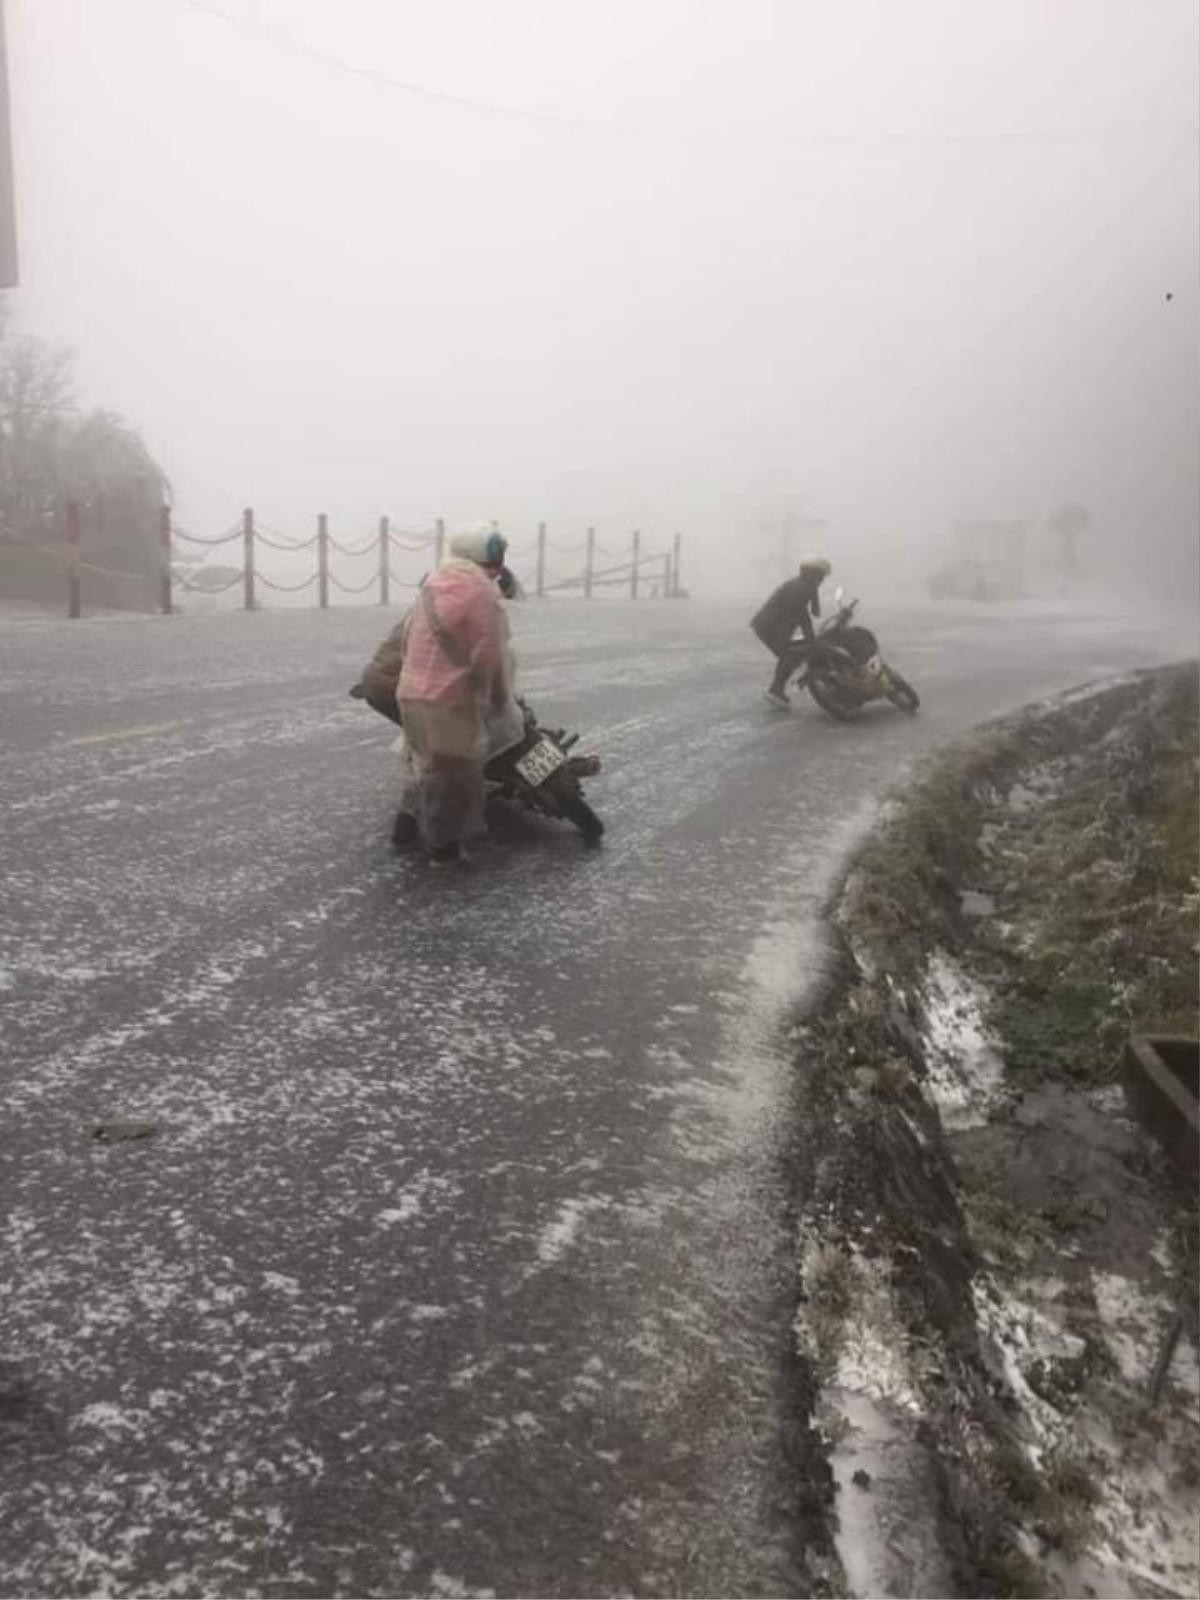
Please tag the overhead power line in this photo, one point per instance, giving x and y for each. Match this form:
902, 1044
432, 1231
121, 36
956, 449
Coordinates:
776, 130
403, 86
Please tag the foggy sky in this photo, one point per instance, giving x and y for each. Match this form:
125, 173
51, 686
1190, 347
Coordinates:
677, 265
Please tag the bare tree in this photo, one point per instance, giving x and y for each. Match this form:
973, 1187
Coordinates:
51, 452
36, 405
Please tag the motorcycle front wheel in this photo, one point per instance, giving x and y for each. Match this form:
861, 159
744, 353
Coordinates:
832, 697
901, 693
568, 800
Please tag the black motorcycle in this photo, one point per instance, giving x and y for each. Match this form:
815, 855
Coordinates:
538, 771
843, 670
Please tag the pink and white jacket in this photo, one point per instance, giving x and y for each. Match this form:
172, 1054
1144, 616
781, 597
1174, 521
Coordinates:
469, 612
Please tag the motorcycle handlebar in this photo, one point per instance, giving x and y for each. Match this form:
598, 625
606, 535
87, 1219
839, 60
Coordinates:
841, 615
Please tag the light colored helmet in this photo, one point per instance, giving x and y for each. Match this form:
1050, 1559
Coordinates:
817, 564
481, 542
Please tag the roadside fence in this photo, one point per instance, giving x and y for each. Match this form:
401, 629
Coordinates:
366, 570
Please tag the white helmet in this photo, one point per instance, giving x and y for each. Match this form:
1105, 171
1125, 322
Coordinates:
481, 542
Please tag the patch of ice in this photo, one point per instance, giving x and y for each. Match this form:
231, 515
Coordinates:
410, 1205
1161, 1253
873, 1360
283, 1282
1146, 1533
964, 1073
870, 1411
1135, 1323
870, 1366
110, 1419
559, 1235
1015, 1334
1111, 678
446, 1587
429, 1313
886, 1539
1109, 1100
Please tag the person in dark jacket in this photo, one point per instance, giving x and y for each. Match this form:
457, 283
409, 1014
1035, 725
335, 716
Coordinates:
793, 605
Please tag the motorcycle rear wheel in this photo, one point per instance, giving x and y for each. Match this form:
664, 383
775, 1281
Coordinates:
838, 702
564, 791
901, 693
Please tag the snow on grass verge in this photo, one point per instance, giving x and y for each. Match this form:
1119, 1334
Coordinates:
963, 1070
989, 1254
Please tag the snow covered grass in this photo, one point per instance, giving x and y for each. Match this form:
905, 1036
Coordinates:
870, 1413
896, 895
964, 1072
1025, 1399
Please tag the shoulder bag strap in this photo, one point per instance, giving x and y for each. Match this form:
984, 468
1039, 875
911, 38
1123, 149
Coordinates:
451, 645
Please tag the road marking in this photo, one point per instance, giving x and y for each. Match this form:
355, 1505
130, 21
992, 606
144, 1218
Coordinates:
125, 733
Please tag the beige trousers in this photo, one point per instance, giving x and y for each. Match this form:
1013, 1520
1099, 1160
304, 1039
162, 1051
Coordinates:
446, 741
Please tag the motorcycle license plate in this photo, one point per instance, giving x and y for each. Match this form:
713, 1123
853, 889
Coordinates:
542, 760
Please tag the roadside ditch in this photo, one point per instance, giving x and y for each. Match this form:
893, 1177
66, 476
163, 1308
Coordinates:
996, 1329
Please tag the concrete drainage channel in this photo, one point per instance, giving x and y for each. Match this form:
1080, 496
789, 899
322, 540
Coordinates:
996, 1245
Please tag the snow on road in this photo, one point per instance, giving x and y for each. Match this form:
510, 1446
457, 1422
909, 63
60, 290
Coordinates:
458, 1260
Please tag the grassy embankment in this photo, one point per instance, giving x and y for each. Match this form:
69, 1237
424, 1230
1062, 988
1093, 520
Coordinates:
1075, 830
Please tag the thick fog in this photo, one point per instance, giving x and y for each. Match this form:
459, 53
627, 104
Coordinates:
676, 264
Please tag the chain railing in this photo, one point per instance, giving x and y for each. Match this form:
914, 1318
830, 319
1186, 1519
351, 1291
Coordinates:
388, 548
654, 573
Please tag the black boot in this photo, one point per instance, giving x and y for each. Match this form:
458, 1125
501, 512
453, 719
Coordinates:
405, 831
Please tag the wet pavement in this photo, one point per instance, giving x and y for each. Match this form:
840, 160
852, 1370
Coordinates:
458, 1259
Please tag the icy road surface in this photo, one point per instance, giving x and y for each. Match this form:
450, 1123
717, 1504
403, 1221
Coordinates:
459, 1261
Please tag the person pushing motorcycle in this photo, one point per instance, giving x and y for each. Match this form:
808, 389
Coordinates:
456, 703
377, 685
793, 605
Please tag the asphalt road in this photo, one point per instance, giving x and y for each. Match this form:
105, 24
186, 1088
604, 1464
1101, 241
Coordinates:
459, 1259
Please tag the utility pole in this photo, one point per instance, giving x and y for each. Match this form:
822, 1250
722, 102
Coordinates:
74, 608
248, 600
322, 561
385, 540
9, 274
164, 560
